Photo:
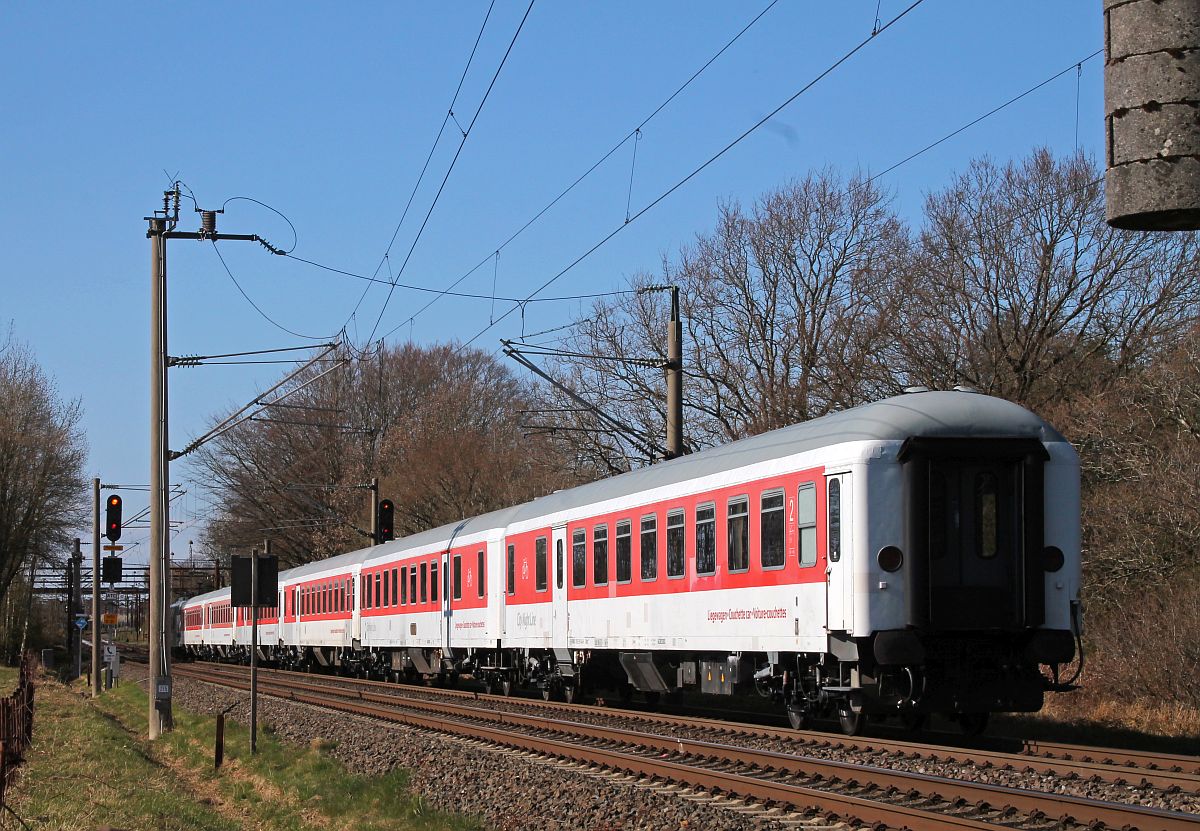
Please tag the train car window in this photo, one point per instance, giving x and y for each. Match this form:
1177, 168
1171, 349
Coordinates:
806, 522
600, 555
458, 577
404, 586
706, 539
624, 551
649, 548
479, 574
675, 543
379, 583
737, 526
558, 564
835, 520
539, 563
412, 585
433, 581
387, 590
424, 582
395, 586
512, 569
986, 527
770, 530
578, 557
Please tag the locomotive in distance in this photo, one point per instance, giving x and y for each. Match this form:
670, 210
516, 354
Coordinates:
915, 555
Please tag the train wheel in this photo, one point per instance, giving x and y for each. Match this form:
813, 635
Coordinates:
569, 693
506, 687
972, 724
799, 719
851, 722
652, 699
913, 721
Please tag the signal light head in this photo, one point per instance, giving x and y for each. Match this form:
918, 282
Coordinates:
386, 513
113, 518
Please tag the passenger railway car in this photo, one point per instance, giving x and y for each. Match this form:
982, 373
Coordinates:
918, 554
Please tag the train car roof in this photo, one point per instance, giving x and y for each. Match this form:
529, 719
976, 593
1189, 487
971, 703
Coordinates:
957, 414
951, 413
929, 414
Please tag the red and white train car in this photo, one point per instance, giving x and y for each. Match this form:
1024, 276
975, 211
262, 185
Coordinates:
918, 554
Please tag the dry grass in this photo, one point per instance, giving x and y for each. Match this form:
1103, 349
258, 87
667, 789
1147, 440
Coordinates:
1163, 719
92, 766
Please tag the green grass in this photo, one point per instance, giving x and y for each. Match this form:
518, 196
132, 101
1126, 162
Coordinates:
92, 766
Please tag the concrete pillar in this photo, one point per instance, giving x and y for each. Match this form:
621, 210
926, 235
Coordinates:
1152, 114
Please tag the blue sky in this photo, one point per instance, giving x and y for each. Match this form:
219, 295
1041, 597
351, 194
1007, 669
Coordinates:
326, 112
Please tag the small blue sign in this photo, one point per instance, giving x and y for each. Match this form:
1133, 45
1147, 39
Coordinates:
81, 622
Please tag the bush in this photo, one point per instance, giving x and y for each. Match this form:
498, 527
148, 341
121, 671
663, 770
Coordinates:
1147, 648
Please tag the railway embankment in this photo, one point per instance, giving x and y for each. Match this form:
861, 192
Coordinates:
90, 767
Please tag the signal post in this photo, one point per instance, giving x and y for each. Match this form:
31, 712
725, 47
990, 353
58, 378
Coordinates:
112, 531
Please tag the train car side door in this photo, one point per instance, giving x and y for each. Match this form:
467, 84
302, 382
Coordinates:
356, 608
558, 590
839, 600
447, 608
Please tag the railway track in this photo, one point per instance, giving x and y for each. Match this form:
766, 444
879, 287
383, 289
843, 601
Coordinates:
1165, 772
869, 793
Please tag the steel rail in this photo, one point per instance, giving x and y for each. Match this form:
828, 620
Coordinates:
1075, 809
834, 806
1119, 767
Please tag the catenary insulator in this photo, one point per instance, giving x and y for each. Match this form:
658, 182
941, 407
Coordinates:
208, 222
1152, 114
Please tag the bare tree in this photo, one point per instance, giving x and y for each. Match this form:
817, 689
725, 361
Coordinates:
438, 426
1139, 442
42, 453
789, 314
1022, 290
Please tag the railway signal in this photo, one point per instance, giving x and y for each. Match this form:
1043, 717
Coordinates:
386, 524
112, 521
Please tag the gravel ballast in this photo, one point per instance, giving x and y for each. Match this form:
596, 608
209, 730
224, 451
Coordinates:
505, 789
1133, 793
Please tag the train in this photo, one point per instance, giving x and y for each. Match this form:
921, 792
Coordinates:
915, 555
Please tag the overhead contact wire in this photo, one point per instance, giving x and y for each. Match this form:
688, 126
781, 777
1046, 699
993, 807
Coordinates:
487, 93
696, 171
623, 141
